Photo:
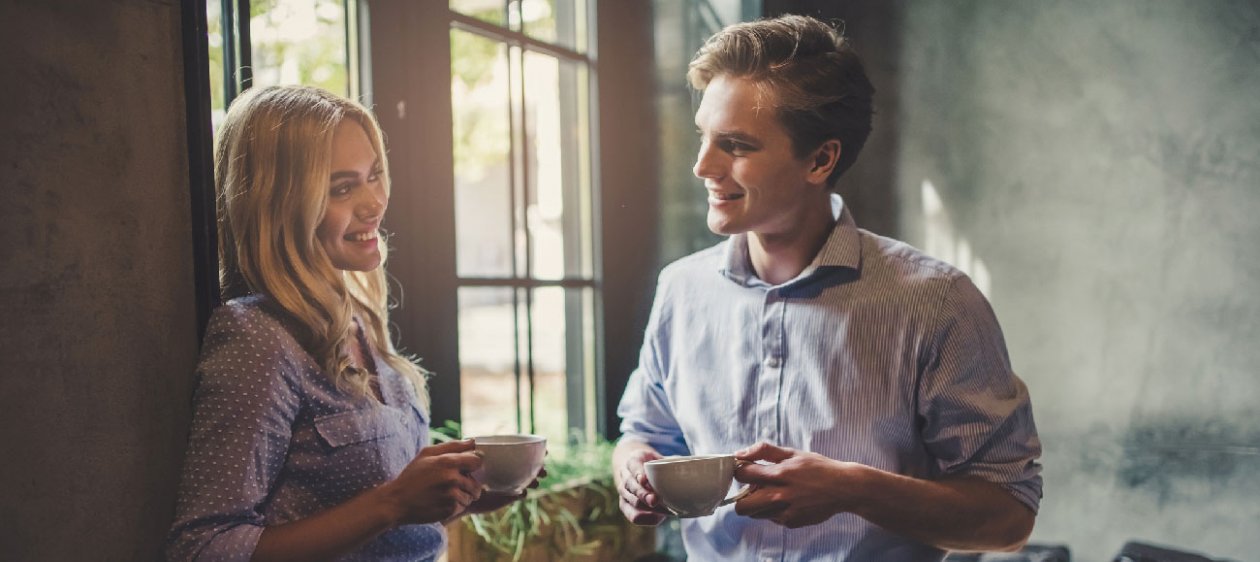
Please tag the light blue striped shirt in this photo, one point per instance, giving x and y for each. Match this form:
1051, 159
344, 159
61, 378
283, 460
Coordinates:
874, 354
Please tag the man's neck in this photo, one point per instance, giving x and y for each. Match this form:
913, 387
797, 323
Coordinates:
779, 258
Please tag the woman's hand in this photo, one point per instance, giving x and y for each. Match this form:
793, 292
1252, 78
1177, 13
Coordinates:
437, 485
493, 501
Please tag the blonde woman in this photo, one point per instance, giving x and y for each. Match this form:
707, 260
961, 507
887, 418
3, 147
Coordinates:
309, 428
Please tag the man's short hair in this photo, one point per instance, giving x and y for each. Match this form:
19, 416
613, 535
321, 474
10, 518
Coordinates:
809, 71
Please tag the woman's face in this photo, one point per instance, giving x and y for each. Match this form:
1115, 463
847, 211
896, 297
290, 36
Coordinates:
356, 201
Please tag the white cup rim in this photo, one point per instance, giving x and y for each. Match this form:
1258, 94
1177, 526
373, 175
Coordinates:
507, 439
685, 458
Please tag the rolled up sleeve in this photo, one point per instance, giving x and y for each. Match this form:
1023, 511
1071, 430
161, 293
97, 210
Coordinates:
645, 410
976, 413
244, 407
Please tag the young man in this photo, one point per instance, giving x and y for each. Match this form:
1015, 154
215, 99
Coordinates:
867, 383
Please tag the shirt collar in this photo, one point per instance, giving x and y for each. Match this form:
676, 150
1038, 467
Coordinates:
843, 249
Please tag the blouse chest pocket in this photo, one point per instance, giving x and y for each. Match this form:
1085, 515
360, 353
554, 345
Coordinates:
418, 416
357, 426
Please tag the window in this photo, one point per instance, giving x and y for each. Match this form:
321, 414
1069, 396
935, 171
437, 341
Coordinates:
681, 28
525, 254
311, 42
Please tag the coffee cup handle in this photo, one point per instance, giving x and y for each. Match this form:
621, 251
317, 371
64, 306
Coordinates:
747, 489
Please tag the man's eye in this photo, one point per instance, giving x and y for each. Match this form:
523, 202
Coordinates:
736, 147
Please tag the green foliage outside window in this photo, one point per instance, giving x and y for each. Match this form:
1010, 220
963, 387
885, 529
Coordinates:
573, 511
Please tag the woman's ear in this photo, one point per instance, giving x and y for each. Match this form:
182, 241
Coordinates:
824, 161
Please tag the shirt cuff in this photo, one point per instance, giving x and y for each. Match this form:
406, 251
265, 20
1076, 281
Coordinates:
235, 543
1026, 493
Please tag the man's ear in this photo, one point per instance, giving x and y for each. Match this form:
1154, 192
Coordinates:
824, 161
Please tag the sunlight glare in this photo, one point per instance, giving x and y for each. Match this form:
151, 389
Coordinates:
943, 243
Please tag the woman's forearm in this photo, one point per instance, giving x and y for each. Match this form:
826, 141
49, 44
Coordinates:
331, 533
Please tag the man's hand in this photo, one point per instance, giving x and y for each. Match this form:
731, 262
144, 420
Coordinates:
797, 490
638, 501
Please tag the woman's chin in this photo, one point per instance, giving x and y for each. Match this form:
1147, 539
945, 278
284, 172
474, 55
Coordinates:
361, 264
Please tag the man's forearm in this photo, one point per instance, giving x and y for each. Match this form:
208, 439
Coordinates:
954, 514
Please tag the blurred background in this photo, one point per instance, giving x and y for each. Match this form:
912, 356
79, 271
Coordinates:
1094, 166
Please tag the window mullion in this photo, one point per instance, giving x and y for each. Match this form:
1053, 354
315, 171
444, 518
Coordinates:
527, 198
244, 45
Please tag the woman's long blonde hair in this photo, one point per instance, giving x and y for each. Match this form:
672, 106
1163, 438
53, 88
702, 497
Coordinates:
273, 158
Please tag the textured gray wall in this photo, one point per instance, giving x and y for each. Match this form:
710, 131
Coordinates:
98, 337
1102, 161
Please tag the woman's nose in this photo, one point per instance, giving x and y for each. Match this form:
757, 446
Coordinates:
372, 207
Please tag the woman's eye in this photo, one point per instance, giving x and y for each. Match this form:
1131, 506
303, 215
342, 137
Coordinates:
341, 189
376, 175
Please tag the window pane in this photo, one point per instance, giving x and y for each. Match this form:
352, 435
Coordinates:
550, 408
557, 152
681, 28
482, 144
485, 10
556, 340
214, 27
299, 42
487, 361
562, 22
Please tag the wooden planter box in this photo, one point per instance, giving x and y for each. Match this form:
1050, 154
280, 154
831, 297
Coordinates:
596, 524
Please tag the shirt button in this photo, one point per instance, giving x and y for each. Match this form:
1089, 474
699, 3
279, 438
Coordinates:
772, 362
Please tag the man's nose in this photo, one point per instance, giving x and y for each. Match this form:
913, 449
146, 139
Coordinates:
709, 164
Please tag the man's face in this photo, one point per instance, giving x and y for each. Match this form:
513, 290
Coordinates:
755, 182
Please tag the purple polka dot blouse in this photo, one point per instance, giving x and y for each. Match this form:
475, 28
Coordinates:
273, 440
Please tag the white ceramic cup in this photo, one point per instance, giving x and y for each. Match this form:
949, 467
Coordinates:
693, 486
509, 462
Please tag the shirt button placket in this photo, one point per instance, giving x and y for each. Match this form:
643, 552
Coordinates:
769, 381
772, 367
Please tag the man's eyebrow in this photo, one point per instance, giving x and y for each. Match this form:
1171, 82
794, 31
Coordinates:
737, 135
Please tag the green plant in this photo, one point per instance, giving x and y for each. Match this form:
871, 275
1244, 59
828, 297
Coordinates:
446, 432
573, 511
